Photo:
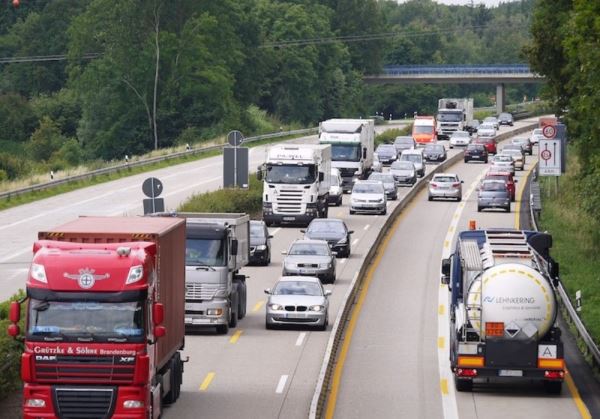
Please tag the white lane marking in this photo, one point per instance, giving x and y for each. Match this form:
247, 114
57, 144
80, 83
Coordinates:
355, 276
354, 242
342, 261
300, 339
366, 227
275, 231
448, 390
14, 255
281, 384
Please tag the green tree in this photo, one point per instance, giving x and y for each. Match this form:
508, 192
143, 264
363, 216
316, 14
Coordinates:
17, 120
46, 140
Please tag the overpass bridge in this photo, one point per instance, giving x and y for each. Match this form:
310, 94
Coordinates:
498, 74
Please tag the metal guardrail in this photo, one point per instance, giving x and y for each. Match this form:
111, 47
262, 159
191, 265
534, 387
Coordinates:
144, 162
320, 396
592, 349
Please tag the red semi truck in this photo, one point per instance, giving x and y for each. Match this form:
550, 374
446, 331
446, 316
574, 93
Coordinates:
105, 318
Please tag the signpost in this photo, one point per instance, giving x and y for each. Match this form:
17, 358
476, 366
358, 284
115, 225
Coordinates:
152, 188
550, 151
235, 162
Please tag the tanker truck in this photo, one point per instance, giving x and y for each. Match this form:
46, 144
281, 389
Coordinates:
105, 319
503, 309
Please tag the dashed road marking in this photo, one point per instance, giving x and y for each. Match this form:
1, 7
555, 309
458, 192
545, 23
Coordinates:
366, 227
300, 339
354, 242
258, 305
207, 381
281, 384
236, 336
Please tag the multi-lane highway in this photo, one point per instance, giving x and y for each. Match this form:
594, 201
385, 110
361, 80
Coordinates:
393, 367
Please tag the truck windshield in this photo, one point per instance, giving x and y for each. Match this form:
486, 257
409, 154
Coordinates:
204, 252
345, 152
449, 116
86, 320
291, 174
423, 129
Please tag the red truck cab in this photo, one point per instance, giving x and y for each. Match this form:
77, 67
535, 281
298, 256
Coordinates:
105, 319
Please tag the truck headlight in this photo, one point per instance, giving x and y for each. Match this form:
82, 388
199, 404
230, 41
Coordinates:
35, 403
214, 311
276, 307
135, 274
38, 273
317, 308
133, 404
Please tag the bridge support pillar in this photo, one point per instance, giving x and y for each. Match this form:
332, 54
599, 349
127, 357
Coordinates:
500, 98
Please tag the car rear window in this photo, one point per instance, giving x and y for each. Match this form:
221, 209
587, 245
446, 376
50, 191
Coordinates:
493, 186
402, 165
442, 179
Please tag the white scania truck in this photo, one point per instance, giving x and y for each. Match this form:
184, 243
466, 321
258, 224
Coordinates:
352, 145
453, 115
296, 183
503, 309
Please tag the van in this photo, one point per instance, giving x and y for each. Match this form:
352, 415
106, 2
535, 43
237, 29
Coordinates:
336, 192
415, 156
424, 130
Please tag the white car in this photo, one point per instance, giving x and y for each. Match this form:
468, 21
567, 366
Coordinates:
503, 163
415, 157
368, 196
336, 192
492, 120
517, 156
536, 136
459, 139
486, 130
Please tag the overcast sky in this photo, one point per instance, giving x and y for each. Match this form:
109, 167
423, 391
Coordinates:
488, 3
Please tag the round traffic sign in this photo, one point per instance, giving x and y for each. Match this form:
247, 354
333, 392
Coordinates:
549, 131
546, 154
235, 138
152, 187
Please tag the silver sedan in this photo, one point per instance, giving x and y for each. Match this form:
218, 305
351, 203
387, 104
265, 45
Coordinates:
445, 185
297, 300
311, 258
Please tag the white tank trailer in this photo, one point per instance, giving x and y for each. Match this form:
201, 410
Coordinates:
503, 309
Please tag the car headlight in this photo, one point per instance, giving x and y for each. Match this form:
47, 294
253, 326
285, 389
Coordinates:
380, 200
275, 306
317, 308
325, 265
261, 247
343, 241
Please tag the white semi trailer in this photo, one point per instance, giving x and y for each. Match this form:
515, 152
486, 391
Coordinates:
296, 183
453, 115
352, 146
503, 309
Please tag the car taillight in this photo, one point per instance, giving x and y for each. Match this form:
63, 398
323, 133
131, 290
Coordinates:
455, 185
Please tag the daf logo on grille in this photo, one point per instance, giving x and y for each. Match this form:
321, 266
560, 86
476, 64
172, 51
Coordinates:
86, 278
45, 357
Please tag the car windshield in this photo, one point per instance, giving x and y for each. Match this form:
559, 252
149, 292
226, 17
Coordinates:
402, 165
368, 188
386, 148
490, 119
497, 177
460, 134
326, 227
519, 140
76, 320
404, 141
512, 152
450, 116
383, 177
486, 126
291, 174
297, 288
505, 116
493, 186
502, 158
435, 148
423, 129
445, 179
345, 152
314, 249
257, 230
415, 158
204, 252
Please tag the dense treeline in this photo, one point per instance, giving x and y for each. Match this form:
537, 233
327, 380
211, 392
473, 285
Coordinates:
566, 49
145, 74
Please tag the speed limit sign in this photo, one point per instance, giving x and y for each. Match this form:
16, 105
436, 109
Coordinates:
549, 131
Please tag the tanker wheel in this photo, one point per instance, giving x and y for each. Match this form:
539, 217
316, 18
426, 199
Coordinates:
462, 384
553, 387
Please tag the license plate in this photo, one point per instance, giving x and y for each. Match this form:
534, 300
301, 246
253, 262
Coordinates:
510, 373
289, 218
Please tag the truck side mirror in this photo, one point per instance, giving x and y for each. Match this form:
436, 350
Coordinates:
13, 330
554, 272
14, 312
158, 313
267, 290
159, 331
321, 176
446, 271
364, 153
234, 247
259, 173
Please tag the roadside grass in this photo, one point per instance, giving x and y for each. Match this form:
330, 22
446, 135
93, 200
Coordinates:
576, 243
388, 136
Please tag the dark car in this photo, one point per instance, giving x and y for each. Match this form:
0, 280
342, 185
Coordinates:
386, 153
434, 152
472, 127
404, 143
493, 194
260, 243
476, 152
334, 231
505, 118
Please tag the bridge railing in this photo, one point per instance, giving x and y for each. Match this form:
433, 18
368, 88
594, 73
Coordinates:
458, 69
